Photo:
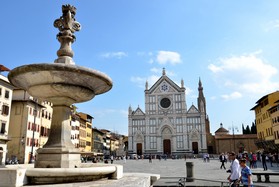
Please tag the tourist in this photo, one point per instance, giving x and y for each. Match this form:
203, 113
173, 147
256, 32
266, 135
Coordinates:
270, 158
207, 157
111, 159
246, 174
222, 159
263, 155
250, 158
234, 169
150, 158
276, 158
204, 157
254, 157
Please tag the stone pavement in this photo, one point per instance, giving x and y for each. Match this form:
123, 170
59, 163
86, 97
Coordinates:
137, 174
205, 172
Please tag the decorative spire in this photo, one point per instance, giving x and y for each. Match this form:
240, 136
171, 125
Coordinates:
201, 98
146, 85
164, 72
67, 25
200, 85
182, 83
130, 109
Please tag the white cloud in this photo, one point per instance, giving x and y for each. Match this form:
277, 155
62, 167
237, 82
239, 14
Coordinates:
156, 70
140, 81
164, 57
245, 74
117, 55
214, 69
188, 91
234, 95
150, 61
272, 25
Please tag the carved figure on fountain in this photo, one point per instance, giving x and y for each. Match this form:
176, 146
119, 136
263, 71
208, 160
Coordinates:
67, 25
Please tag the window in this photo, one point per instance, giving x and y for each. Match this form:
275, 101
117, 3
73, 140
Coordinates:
5, 110
152, 129
3, 128
152, 123
153, 142
179, 128
177, 98
0, 91
7, 94
179, 141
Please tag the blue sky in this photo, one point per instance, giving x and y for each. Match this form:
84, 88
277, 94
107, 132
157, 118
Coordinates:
233, 46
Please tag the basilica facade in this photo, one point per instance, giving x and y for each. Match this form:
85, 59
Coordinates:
167, 126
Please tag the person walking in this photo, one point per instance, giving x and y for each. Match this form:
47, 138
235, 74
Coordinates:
276, 158
235, 171
263, 155
150, 158
254, 157
270, 158
222, 159
246, 174
111, 159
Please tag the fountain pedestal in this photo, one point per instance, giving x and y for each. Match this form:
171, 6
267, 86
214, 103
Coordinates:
59, 152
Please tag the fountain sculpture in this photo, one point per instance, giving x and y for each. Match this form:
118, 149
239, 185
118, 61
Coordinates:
63, 83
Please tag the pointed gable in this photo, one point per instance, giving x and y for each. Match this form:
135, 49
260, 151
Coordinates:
192, 109
173, 87
138, 112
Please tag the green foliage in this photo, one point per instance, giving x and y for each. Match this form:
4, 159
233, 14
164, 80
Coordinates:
247, 130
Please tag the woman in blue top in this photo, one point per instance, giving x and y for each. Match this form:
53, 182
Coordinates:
246, 174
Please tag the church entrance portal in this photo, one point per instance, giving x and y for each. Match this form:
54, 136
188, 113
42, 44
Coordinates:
195, 147
167, 146
139, 149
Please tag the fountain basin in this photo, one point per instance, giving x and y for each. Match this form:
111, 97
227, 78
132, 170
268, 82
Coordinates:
66, 175
60, 82
20, 175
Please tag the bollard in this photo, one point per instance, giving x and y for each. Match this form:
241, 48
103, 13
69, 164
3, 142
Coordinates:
189, 172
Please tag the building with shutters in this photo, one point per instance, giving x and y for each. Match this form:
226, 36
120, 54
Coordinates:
6, 92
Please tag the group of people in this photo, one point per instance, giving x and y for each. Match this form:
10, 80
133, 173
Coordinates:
239, 171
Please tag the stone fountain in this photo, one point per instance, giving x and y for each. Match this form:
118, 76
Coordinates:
63, 83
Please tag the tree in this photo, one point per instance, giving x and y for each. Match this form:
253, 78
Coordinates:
243, 130
253, 128
247, 130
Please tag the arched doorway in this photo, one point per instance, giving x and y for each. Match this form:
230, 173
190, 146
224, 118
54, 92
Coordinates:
167, 146
139, 149
167, 138
195, 147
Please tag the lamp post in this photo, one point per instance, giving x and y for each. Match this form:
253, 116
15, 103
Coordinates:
233, 128
31, 159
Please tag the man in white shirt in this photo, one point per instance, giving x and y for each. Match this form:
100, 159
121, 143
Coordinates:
235, 169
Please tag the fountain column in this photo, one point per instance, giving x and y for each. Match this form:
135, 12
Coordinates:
59, 151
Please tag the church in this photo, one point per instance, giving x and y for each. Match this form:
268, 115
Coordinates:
168, 126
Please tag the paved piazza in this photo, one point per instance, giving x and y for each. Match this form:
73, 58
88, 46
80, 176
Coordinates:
202, 170
170, 172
